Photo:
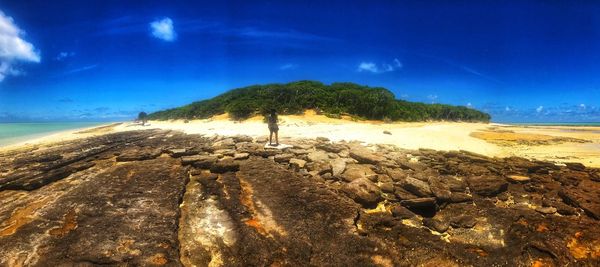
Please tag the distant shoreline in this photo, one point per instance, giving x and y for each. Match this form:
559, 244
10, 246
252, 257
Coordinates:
551, 123
14, 133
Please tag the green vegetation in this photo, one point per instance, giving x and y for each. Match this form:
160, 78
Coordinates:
334, 100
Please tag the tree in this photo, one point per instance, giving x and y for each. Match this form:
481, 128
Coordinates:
143, 117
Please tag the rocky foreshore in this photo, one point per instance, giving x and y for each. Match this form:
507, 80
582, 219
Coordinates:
165, 198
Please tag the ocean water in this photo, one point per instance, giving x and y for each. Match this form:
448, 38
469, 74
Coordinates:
11, 133
555, 123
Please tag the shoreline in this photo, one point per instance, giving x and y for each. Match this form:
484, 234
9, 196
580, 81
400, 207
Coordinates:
558, 144
49, 138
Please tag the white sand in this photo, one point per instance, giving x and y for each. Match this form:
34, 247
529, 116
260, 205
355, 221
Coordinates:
433, 135
438, 135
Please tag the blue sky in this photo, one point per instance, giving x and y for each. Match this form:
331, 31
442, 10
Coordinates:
521, 61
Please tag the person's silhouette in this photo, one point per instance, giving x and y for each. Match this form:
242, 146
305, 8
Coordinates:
273, 128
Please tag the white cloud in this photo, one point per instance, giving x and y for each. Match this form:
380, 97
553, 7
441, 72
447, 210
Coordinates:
288, 66
63, 55
582, 106
374, 68
539, 109
506, 109
368, 66
469, 104
13, 48
163, 29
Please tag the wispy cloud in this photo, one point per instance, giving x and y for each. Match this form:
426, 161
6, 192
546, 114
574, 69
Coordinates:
381, 68
64, 55
84, 68
253, 32
163, 29
288, 66
539, 109
13, 48
460, 66
241, 32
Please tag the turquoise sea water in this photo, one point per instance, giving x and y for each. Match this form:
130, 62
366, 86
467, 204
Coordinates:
555, 123
11, 133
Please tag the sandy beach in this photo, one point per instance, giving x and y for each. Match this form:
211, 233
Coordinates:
552, 143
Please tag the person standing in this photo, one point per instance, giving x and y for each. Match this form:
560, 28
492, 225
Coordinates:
273, 128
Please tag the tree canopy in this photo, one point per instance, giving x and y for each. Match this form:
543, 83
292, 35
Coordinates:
337, 99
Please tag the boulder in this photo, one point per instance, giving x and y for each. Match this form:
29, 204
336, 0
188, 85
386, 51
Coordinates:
225, 152
396, 175
463, 221
387, 187
518, 178
401, 212
187, 160
223, 166
546, 210
318, 167
362, 155
363, 192
297, 163
224, 144
283, 157
408, 165
318, 156
417, 187
241, 138
179, 152
338, 166
205, 162
240, 156
487, 185
417, 203
357, 171
436, 224
402, 194
439, 189
333, 148
458, 197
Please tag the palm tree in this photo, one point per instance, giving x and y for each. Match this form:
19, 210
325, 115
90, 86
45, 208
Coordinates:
143, 117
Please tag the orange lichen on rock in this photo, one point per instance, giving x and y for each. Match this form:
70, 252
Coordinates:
255, 223
479, 251
382, 261
69, 224
583, 250
246, 200
541, 263
542, 228
19, 218
158, 259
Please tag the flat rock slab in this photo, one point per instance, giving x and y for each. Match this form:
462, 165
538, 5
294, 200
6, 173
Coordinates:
280, 146
269, 215
124, 214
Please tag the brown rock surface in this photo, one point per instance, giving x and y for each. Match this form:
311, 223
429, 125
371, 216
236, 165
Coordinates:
140, 198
